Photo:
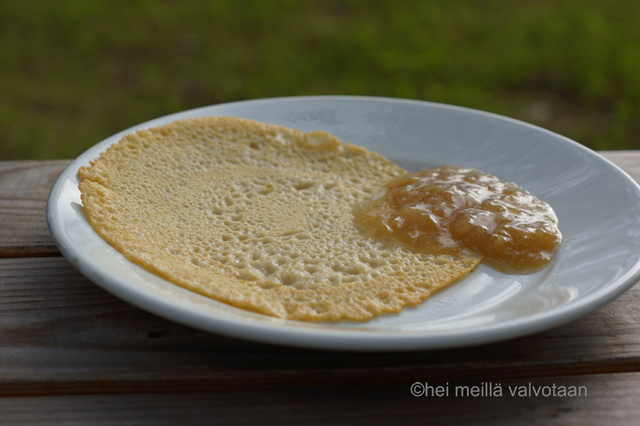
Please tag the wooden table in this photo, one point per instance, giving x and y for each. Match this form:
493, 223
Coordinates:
72, 353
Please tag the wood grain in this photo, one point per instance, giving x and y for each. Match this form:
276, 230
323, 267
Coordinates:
24, 188
605, 399
61, 334
25, 185
70, 353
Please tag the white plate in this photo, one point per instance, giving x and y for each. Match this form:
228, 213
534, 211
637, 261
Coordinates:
597, 204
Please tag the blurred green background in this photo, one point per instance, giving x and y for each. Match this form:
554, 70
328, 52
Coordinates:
75, 72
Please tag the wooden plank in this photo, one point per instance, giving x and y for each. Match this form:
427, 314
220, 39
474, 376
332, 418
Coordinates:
61, 334
25, 185
24, 188
599, 399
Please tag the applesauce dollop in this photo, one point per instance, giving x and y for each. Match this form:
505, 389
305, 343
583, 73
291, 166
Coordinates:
450, 210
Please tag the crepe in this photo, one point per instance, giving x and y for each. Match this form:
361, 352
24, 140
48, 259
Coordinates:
258, 216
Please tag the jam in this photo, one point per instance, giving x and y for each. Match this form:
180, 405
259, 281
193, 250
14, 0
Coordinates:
450, 210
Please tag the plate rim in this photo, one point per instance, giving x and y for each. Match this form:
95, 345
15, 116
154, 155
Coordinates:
337, 338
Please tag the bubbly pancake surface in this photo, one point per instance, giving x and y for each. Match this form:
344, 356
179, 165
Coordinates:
260, 217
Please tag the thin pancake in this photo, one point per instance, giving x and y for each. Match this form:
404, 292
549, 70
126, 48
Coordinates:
258, 216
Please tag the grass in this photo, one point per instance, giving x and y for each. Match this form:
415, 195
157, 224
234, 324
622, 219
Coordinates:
74, 72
